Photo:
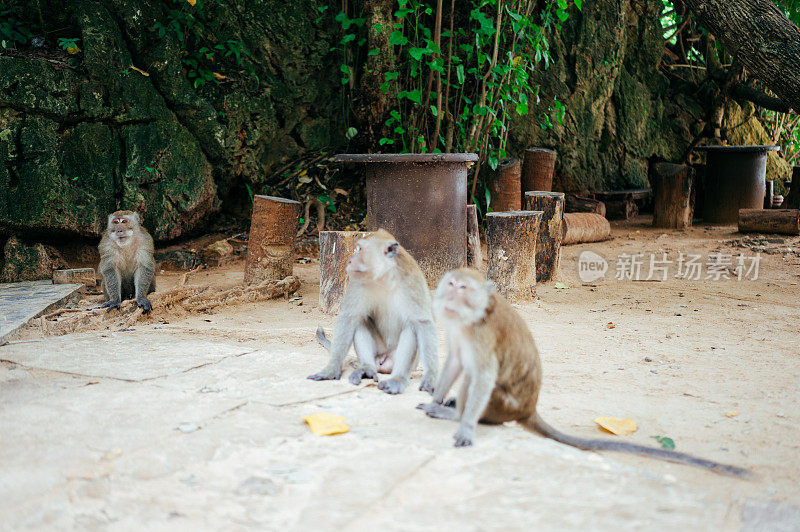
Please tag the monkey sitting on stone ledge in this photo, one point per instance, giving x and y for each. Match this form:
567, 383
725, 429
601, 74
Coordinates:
126, 261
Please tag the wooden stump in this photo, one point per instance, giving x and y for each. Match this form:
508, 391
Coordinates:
538, 166
474, 255
580, 227
673, 190
506, 189
784, 221
511, 243
270, 250
792, 199
548, 242
769, 194
621, 204
573, 203
335, 249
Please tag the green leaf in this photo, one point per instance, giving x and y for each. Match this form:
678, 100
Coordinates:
397, 38
350, 133
348, 38
374, 51
415, 95
434, 110
417, 53
391, 75
578, 4
344, 69
149, 169
460, 74
665, 442
561, 286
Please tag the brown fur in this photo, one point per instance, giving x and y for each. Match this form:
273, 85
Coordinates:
502, 370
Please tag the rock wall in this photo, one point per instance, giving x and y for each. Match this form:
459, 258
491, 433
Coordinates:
120, 126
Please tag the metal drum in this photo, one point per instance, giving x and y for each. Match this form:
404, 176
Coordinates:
735, 179
421, 199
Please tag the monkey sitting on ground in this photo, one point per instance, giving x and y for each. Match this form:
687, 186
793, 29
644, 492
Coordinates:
490, 343
386, 315
126, 261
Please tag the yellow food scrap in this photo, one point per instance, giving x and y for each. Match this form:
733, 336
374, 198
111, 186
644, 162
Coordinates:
326, 424
192, 2
615, 425
732, 413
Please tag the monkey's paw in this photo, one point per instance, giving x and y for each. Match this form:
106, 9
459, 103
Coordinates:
325, 376
145, 304
392, 386
463, 438
108, 305
437, 411
363, 373
426, 386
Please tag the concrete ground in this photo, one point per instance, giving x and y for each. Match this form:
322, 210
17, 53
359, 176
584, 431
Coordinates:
197, 423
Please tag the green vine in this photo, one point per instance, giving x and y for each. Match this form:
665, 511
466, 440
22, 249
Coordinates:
461, 72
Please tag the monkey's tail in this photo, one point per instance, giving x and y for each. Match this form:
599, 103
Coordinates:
537, 424
321, 338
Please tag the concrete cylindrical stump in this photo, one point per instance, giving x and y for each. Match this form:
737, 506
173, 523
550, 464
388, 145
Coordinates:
270, 250
506, 188
548, 244
537, 170
474, 254
511, 244
335, 249
673, 192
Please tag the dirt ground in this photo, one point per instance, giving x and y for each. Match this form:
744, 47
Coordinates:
198, 422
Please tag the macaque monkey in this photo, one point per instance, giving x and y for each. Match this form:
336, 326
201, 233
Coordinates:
492, 346
386, 315
126, 261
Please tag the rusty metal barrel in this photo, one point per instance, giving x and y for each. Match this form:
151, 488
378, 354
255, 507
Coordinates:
735, 179
421, 199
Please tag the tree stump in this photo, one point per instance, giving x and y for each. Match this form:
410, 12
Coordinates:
511, 243
506, 189
784, 221
537, 169
769, 194
474, 254
573, 203
792, 199
335, 249
270, 250
548, 242
621, 204
580, 227
673, 191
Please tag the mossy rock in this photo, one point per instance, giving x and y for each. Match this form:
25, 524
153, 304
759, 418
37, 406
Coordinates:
29, 262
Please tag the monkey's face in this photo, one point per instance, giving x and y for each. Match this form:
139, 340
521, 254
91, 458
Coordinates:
462, 297
122, 226
372, 258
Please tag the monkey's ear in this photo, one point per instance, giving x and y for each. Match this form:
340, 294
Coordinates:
491, 287
136, 218
110, 218
392, 249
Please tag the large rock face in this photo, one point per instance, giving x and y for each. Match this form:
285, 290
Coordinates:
81, 137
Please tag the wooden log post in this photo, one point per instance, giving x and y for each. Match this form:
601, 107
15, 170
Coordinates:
273, 229
573, 203
474, 254
621, 204
580, 227
538, 166
511, 243
784, 221
792, 200
506, 188
673, 192
548, 240
335, 249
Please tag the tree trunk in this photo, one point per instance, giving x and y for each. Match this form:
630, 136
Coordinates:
335, 249
579, 227
548, 241
270, 250
538, 166
507, 187
474, 255
511, 243
784, 221
575, 203
673, 192
760, 37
